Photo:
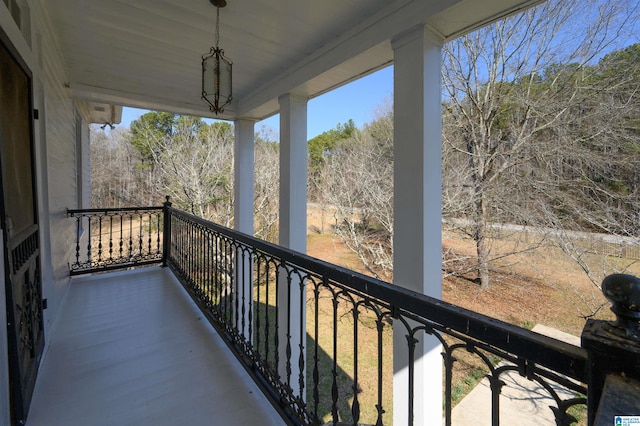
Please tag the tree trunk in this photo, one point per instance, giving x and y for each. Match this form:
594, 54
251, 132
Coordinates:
481, 238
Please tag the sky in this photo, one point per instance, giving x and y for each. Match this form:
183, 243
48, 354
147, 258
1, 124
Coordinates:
357, 100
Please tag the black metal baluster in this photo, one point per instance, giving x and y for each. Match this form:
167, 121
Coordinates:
267, 317
379, 406
224, 289
89, 241
449, 361
288, 336
199, 263
355, 406
192, 258
189, 245
236, 285
150, 230
159, 222
233, 288
276, 330
176, 242
216, 268
219, 284
110, 238
100, 238
189, 259
411, 342
256, 303
140, 235
207, 271
121, 242
223, 280
185, 249
216, 277
193, 270
202, 244
130, 236
239, 277
302, 335
180, 244
78, 219
249, 262
100, 218
197, 260
186, 259
496, 388
316, 336
202, 266
334, 371
182, 232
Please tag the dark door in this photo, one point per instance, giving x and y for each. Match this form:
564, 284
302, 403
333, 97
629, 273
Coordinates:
18, 217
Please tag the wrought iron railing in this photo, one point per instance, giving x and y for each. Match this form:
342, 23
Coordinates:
317, 337
116, 238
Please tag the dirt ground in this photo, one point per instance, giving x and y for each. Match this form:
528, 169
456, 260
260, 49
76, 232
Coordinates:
537, 286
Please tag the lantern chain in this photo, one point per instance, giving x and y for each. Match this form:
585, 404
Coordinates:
217, 27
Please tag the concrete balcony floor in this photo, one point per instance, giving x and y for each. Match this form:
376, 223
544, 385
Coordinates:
131, 348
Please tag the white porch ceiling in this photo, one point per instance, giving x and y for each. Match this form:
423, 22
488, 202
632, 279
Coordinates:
147, 53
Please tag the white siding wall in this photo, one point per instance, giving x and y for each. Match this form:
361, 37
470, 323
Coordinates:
59, 122
55, 136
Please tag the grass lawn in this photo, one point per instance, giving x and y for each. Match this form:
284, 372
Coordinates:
537, 286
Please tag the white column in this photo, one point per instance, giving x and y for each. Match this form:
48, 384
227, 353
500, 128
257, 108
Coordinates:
243, 175
417, 241
243, 216
293, 172
293, 234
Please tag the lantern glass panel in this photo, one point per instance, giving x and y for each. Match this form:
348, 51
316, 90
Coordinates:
216, 78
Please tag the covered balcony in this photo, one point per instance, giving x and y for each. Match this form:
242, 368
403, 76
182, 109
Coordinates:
175, 345
156, 345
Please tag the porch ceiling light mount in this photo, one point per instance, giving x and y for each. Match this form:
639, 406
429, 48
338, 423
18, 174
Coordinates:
216, 71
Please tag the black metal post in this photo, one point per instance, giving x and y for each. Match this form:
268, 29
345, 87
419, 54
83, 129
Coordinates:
614, 351
166, 232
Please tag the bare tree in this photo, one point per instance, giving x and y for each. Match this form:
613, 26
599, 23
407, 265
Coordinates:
358, 175
267, 176
505, 95
194, 165
594, 185
116, 176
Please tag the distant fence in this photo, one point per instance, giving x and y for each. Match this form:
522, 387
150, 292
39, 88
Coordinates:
591, 242
622, 249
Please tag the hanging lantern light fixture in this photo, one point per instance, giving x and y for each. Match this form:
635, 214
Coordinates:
216, 71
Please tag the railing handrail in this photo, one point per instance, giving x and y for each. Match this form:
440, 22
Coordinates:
72, 212
559, 356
